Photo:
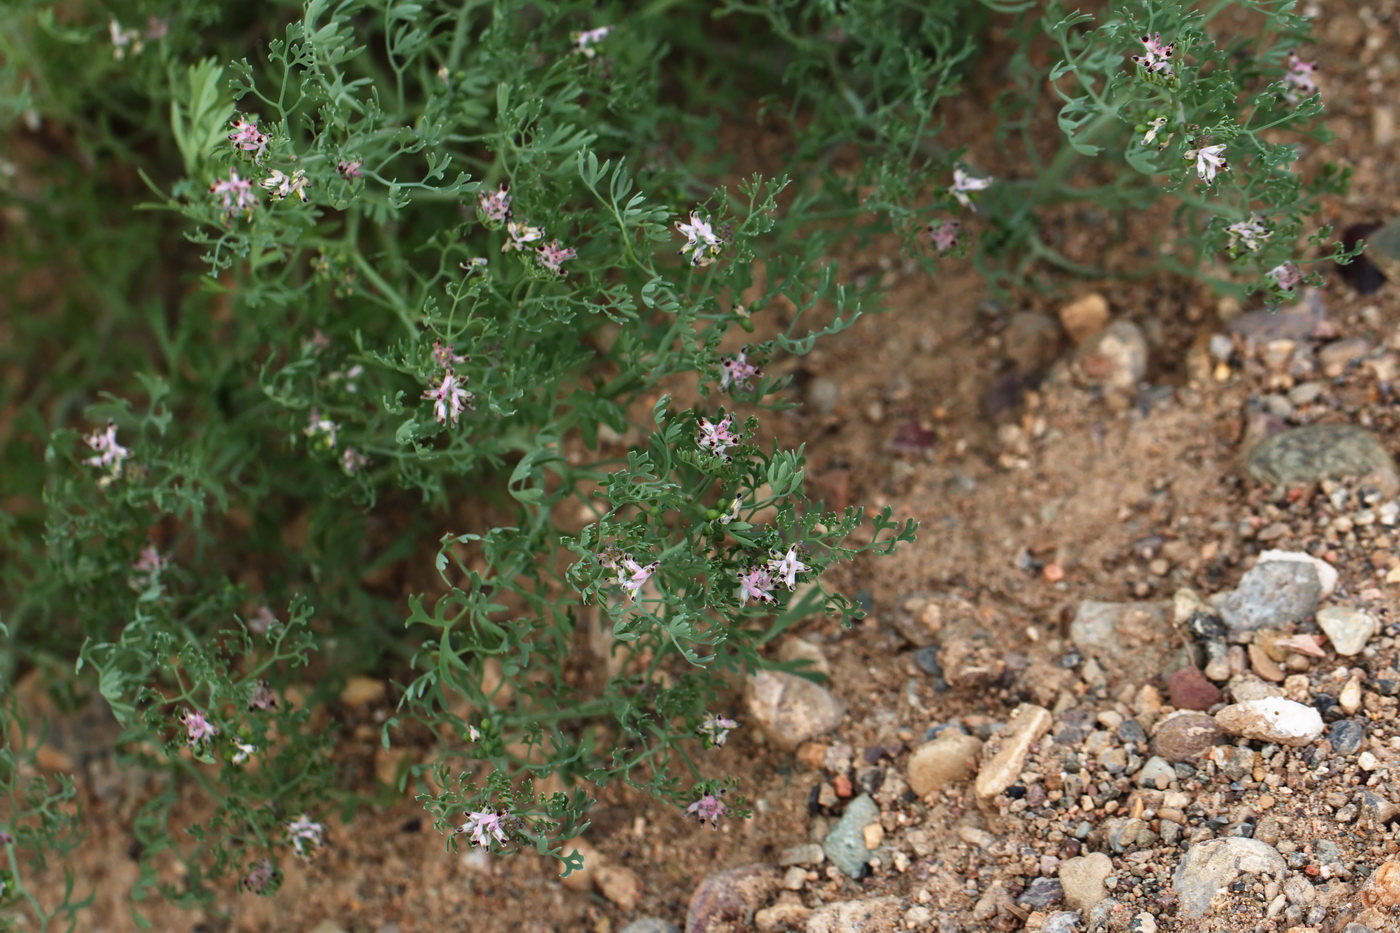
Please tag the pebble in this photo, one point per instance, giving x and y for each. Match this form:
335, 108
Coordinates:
1185, 736
1041, 893
1382, 889
1123, 637
619, 884
1210, 867
1379, 808
725, 902
867, 916
844, 845
1031, 341
1157, 772
1348, 629
1061, 921
1305, 455
808, 854
1350, 697
1009, 749
1188, 688
1383, 249
1274, 594
362, 691
782, 916
1084, 317
1114, 359
919, 617
824, 395
1083, 877
951, 756
789, 709
650, 925
1272, 719
973, 661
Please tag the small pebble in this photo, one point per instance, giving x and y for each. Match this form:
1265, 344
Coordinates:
1271, 720
1348, 629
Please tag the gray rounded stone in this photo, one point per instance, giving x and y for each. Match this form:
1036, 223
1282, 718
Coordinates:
1273, 594
650, 925
1346, 736
844, 845
1210, 867
1301, 456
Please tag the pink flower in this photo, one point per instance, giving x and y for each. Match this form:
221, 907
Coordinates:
321, 430
1250, 234
718, 438
148, 566
963, 184
283, 185
198, 729
493, 207
110, 454
247, 139
715, 730
450, 399
944, 235
445, 355
482, 825
261, 877
262, 696
262, 621
1300, 81
584, 41
1286, 276
304, 832
519, 235
701, 241
737, 372
708, 809
235, 195
352, 461
350, 169
553, 255
632, 576
1209, 161
1155, 54
756, 583
787, 567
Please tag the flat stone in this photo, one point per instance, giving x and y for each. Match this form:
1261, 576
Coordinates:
1082, 878
1348, 629
845, 845
1157, 772
1031, 341
1009, 748
1346, 736
790, 709
1275, 594
1185, 736
874, 915
650, 925
951, 756
920, 617
1125, 637
1210, 867
725, 902
1305, 455
1271, 720
1041, 893
1383, 250
807, 854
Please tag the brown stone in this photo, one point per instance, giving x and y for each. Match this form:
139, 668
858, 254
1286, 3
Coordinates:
1186, 736
726, 902
1189, 689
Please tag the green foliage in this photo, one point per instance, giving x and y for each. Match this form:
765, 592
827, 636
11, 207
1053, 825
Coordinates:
343, 276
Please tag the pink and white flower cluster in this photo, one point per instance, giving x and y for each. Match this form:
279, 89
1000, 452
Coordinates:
759, 582
737, 372
708, 809
584, 42
715, 730
484, 827
718, 437
494, 208
631, 575
449, 398
248, 139
1154, 59
943, 234
110, 455
1286, 276
198, 728
1250, 234
1209, 161
701, 241
963, 186
146, 569
304, 832
235, 196
1300, 81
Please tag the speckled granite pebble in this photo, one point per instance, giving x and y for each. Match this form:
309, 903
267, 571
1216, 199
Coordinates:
1304, 455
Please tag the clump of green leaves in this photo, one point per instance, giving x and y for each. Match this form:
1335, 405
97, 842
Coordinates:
388, 262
